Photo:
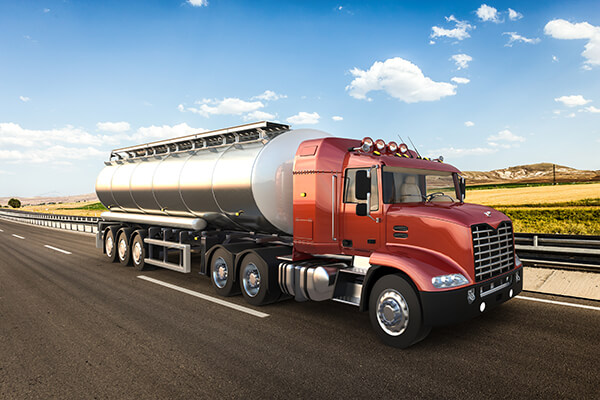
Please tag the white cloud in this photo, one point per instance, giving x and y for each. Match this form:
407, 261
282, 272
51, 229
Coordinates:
572, 115
153, 132
304, 118
337, 118
556, 112
269, 95
469, 123
14, 134
459, 32
458, 152
554, 59
198, 3
227, 106
515, 37
487, 13
399, 78
514, 15
55, 154
592, 109
113, 126
259, 116
461, 60
572, 101
46, 10
562, 29
505, 139
24, 99
459, 80
181, 108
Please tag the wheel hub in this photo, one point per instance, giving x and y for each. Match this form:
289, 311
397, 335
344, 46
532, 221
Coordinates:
109, 246
122, 249
251, 280
220, 273
392, 312
137, 252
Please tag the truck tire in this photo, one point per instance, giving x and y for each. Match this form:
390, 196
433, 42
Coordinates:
123, 249
395, 312
110, 245
258, 284
138, 251
222, 273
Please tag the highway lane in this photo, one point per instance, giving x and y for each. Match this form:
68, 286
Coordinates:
74, 326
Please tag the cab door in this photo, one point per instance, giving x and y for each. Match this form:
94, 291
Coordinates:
361, 233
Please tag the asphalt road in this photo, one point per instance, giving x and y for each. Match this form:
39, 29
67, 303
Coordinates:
75, 326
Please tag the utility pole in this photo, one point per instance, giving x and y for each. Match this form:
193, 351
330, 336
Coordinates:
554, 174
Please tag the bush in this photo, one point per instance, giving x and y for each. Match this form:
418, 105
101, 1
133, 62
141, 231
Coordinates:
14, 203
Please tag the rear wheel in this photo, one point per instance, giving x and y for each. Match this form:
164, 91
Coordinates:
223, 274
123, 250
138, 251
110, 245
395, 312
257, 284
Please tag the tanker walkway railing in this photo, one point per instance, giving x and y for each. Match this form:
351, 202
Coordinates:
573, 252
66, 222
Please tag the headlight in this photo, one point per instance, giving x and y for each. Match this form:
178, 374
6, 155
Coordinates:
447, 281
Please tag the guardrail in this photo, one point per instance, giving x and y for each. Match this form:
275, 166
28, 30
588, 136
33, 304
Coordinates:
575, 252
67, 222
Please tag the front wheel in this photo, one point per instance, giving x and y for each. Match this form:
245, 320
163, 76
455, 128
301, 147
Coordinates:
395, 312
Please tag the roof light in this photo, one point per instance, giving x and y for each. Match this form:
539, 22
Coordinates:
367, 144
392, 147
403, 148
380, 145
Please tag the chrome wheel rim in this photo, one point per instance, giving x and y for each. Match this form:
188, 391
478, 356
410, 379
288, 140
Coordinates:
392, 312
251, 280
110, 244
122, 248
220, 273
137, 252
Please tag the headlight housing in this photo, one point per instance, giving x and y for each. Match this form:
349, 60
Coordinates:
448, 281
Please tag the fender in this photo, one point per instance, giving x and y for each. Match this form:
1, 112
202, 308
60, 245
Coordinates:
417, 264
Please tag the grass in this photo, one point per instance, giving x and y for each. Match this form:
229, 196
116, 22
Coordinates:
565, 220
93, 206
534, 195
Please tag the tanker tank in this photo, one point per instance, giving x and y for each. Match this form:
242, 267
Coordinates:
238, 178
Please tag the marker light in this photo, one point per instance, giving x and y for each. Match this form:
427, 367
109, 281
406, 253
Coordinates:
380, 145
367, 144
403, 148
448, 281
392, 147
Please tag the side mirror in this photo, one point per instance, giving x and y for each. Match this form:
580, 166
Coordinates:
361, 209
362, 185
463, 187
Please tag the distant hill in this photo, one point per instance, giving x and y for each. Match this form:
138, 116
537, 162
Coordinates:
32, 201
532, 173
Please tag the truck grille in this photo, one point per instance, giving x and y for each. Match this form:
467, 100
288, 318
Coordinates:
493, 249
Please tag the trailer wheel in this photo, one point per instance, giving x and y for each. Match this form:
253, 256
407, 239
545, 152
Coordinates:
255, 281
395, 312
138, 251
222, 273
123, 249
110, 245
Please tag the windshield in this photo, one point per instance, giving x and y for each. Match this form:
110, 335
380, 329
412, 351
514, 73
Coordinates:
408, 185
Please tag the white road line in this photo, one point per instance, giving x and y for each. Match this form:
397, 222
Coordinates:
57, 249
207, 298
560, 303
1, 230
17, 236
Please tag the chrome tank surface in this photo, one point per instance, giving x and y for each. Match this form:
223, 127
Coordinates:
242, 186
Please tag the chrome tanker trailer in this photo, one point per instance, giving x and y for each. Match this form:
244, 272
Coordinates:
276, 213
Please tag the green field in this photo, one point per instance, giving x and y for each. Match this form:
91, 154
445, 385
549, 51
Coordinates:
93, 206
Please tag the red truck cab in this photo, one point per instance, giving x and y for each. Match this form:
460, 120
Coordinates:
429, 258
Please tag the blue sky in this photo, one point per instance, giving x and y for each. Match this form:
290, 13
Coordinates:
487, 85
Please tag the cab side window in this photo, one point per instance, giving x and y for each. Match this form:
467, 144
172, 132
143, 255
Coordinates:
349, 186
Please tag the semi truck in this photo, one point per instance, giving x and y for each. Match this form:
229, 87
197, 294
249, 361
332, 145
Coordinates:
274, 213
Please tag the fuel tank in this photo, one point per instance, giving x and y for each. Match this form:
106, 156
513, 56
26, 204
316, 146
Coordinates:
237, 178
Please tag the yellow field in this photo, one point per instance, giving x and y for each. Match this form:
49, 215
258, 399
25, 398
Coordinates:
65, 209
534, 195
